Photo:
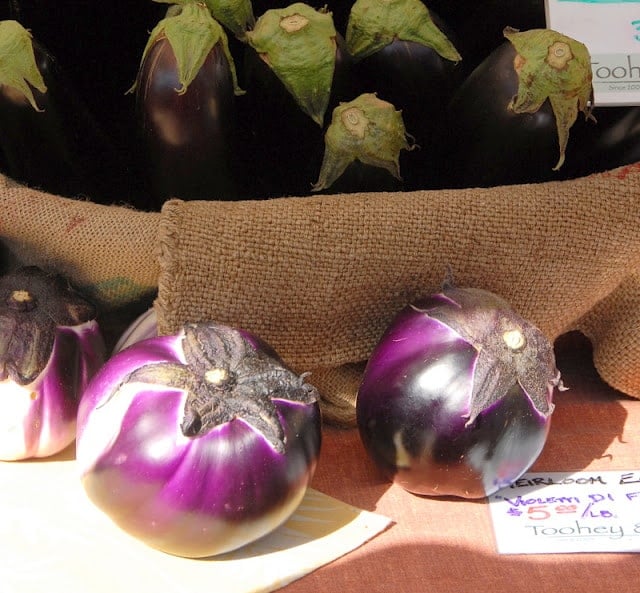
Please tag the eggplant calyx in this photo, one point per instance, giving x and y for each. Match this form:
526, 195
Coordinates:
21, 300
366, 129
192, 34
511, 351
374, 24
551, 66
227, 379
235, 15
299, 44
18, 65
33, 304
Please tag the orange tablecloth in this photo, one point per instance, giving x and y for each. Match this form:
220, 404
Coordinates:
445, 545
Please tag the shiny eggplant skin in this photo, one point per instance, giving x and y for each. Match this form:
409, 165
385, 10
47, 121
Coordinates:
283, 146
414, 410
478, 24
203, 492
60, 148
188, 138
613, 140
420, 83
483, 143
98, 44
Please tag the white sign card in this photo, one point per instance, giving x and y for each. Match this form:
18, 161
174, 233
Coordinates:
611, 31
563, 512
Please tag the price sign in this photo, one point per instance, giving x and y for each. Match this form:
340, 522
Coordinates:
551, 513
611, 31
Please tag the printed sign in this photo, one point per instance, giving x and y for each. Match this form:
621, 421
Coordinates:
611, 31
551, 513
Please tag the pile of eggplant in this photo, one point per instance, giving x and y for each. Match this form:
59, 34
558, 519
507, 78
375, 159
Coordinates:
142, 101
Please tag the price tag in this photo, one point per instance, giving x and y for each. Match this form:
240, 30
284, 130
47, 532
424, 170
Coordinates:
611, 31
557, 512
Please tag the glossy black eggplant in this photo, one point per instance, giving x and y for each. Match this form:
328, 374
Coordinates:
407, 56
284, 116
612, 141
478, 24
98, 44
48, 136
510, 121
185, 104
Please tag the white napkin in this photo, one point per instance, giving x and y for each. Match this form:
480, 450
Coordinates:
53, 539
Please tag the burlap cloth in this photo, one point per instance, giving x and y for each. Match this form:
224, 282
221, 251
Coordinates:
319, 278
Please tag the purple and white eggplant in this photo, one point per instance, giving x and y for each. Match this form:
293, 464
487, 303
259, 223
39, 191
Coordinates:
456, 398
200, 442
50, 347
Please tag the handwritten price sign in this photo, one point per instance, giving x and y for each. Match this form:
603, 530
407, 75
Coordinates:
568, 512
611, 31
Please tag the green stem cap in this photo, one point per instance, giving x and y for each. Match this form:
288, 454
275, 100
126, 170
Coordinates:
298, 43
18, 67
374, 24
555, 67
367, 129
192, 33
235, 15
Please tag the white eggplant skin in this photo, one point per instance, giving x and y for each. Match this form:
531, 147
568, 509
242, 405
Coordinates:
197, 489
39, 419
143, 327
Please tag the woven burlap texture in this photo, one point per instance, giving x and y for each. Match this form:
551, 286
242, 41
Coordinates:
107, 251
320, 278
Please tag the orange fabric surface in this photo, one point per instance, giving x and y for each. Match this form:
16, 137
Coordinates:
448, 546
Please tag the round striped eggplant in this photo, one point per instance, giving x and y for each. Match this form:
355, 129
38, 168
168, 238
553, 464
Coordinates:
50, 347
200, 442
456, 398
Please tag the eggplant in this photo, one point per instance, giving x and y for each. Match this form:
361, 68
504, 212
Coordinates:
200, 442
612, 141
185, 104
363, 144
510, 121
48, 136
478, 25
406, 55
97, 45
297, 70
50, 347
457, 396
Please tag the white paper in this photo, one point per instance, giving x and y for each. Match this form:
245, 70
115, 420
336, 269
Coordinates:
562, 512
53, 540
611, 31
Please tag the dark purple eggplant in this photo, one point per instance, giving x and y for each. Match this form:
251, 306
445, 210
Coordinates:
48, 136
98, 44
406, 55
363, 145
478, 24
509, 122
285, 114
457, 397
612, 141
185, 101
